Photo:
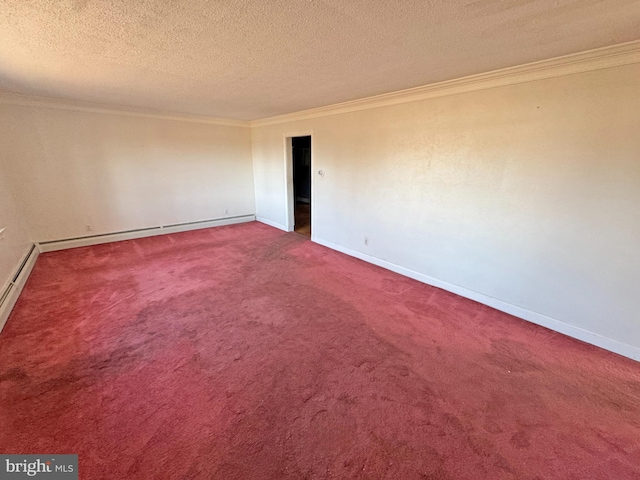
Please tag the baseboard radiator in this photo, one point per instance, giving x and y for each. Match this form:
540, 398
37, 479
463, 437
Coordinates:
11, 291
65, 243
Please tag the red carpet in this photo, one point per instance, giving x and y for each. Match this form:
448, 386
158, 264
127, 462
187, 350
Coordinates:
244, 352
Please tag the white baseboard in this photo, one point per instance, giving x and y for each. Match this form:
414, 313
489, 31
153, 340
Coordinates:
587, 336
10, 294
54, 245
272, 224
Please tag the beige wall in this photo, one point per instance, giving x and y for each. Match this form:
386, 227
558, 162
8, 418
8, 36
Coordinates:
14, 241
528, 194
524, 196
115, 172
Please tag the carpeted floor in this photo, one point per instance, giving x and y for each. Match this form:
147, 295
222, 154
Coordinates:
244, 352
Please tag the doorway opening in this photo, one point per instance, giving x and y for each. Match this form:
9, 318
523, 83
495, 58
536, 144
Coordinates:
301, 159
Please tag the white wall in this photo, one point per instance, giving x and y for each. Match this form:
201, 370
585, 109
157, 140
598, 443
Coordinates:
527, 193
116, 172
14, 241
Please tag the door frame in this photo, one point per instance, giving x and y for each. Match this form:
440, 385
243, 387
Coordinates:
288, 179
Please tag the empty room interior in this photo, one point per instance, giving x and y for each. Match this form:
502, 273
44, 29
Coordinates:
313, 239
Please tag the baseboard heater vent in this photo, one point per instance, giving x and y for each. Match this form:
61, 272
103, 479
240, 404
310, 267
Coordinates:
24, 262
73, 242
200, 222
5, 294
11, 292
100, 235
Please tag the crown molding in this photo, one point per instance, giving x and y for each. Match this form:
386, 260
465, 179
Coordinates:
600, 58
60, 104
597, 59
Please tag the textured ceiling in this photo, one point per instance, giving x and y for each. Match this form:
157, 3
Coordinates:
253, 59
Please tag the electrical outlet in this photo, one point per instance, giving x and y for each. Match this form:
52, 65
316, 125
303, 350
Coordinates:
366, 241
88, 227
226, 211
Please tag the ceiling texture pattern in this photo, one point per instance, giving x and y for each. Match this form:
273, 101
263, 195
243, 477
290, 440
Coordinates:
248, 60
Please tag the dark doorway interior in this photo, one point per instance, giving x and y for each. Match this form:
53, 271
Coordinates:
301, 152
